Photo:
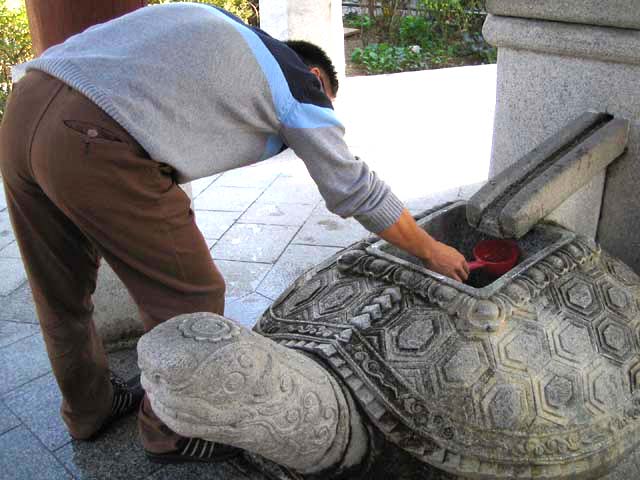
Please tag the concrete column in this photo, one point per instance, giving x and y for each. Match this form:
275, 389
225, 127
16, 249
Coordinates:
317, 21
557, 59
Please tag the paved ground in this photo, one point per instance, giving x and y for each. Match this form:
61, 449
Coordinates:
428, 134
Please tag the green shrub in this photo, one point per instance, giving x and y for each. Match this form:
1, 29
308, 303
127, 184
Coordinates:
355, 20
15, 45
385, 58
247, 10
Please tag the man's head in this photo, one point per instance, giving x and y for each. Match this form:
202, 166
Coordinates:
319, 64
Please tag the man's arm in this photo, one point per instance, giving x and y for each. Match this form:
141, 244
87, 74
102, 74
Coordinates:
441, 258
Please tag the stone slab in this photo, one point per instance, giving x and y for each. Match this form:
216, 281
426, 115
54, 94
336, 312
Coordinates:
330, 231
539, 93
214, 224
115, 314
216, 471
501, 182
292, 189
22, 457
200, 185
3, 199
115, 455
22, 362
228, 199
19, 307
10, 251
293, 263
11, 332
247, 177
515, 200
613, 13
241, 278
582, 41
276, 214
6, 230
8, 420
37, 404
250, 242
13, 275
247, 310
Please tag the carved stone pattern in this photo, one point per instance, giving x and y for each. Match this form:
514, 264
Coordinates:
551, 357
207, 329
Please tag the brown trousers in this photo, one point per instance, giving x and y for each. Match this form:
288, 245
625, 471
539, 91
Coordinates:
78, 188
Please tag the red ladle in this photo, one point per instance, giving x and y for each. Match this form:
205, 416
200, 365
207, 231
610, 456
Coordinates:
496, 256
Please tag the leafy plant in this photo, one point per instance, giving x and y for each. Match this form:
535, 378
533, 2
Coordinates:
247, 10
15, 45
355, 20
385, 58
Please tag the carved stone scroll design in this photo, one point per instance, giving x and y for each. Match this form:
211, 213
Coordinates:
244, 390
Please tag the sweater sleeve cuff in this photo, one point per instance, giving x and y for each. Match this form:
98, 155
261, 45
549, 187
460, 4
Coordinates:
385, 214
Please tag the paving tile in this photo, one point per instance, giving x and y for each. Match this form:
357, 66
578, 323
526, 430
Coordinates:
287, 189
11, 332
247, 177
21, 362
330, 231
6, 230
13, 275
124, 362
3, 199
200, 185
228, 199
216, 471
10, 251
115, 455
7, 419
247, 310
276, 214
37, 404
295, 260
18, 306
22, 457
254, 243
213, 224
241, 278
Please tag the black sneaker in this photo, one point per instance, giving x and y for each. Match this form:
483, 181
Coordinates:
195, 450
127, 396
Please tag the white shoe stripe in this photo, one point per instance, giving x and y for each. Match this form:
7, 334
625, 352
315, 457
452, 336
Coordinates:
186, 448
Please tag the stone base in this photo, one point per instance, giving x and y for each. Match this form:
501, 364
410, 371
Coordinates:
551, 72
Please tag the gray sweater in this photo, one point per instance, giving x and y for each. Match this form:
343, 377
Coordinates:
205, 93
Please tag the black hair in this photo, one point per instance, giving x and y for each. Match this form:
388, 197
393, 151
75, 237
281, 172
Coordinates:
314, 56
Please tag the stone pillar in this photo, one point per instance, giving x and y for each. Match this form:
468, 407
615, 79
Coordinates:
53, 21
317, 21
557, 59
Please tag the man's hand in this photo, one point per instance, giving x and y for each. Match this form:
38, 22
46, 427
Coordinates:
447, 261
436, 256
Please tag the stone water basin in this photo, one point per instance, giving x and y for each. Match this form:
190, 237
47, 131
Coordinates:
531, 375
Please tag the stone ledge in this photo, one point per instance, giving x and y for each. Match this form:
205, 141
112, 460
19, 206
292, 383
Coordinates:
581, 41
614, 13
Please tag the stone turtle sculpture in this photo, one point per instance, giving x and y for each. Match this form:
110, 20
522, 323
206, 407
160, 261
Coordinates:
534, 375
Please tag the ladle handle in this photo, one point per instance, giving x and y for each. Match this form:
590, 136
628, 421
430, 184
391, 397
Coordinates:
475, 265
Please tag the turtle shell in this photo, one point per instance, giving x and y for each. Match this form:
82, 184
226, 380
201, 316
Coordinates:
534, 375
